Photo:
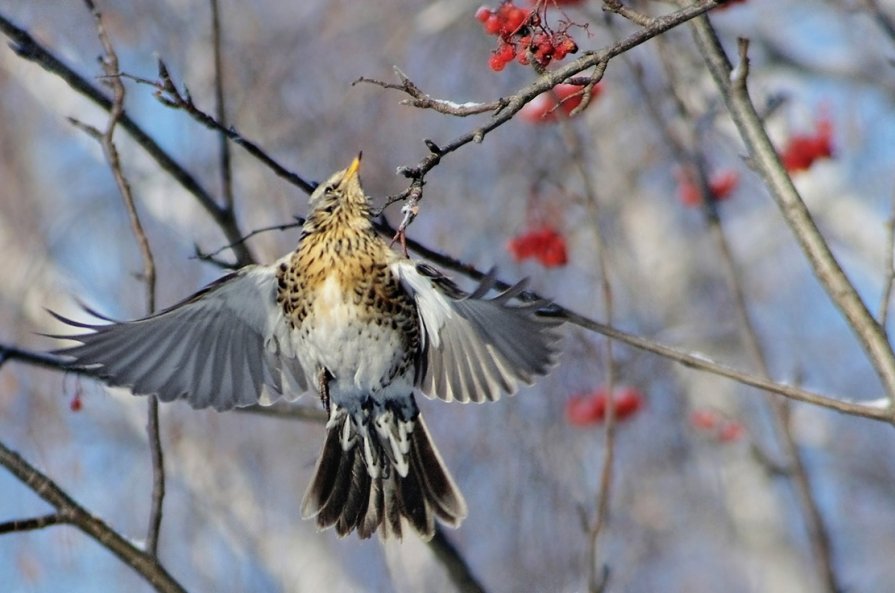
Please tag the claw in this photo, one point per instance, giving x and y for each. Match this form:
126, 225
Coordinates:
323, 379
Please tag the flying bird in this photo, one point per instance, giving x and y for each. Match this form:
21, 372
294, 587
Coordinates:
366, 327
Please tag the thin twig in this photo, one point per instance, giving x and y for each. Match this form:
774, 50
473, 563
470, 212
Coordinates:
276, 227
764, 158
884, 21
113, 80
221, 108
421, 100
889, 271
169, 95
629, 13
33, 523
457, 568
74, 514
287, 412
598, 571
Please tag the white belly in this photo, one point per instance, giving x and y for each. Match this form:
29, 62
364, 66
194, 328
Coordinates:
359, 354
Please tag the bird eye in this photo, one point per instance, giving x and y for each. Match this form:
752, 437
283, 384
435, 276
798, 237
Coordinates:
329, 188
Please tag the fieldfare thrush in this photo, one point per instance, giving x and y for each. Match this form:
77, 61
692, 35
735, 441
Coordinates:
363, 325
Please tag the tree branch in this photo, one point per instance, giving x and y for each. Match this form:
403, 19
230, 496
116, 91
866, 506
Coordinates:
732, 84
33, 523
25, 46
113, 80
511, 105
72, 513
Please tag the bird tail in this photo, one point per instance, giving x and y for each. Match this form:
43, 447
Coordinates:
379, 466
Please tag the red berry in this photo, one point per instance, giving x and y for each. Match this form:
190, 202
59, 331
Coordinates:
76, 404
704, 419
584, 410
515, 18
482, 14
493, 24
544, 244
506, 51
721, 185
732, 431
802, 150
496, 62
590, 408
628, 401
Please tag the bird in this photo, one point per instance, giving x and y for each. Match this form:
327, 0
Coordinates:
366, 327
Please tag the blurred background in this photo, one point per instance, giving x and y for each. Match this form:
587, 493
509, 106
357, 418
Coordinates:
702, 498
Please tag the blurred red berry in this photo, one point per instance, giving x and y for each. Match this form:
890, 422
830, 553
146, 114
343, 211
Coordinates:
716, 426
76, 404
704, 419
731, 431
563, 98
590, 408
584, 410
628, 402
802, 150
544, 244
482, 14
721, 185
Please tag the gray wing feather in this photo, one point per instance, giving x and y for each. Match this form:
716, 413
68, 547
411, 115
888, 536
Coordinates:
477, 347
226, 346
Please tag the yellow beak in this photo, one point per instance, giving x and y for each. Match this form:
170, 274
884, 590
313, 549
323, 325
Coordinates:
354, 166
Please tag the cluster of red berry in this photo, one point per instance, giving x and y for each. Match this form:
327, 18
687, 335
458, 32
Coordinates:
544, 244
590, 408
523, 36
802, 150
721, 185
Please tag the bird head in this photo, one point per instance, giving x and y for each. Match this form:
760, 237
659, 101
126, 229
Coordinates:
342, 188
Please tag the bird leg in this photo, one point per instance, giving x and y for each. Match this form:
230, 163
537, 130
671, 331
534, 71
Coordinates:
401, 237
410, 210
323, 379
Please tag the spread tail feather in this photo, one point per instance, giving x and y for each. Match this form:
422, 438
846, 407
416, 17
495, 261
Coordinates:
378, 470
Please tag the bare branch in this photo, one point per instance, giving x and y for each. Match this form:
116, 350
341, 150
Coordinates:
732, 84
779, 410
885, 21
28, 48
168, 94
424, 101
221, 108
33, 523
889, 270
457, 568
113, 80
72, 513
632, 15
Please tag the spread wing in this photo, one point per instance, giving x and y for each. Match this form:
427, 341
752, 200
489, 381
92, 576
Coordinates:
224, 347
475, 348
